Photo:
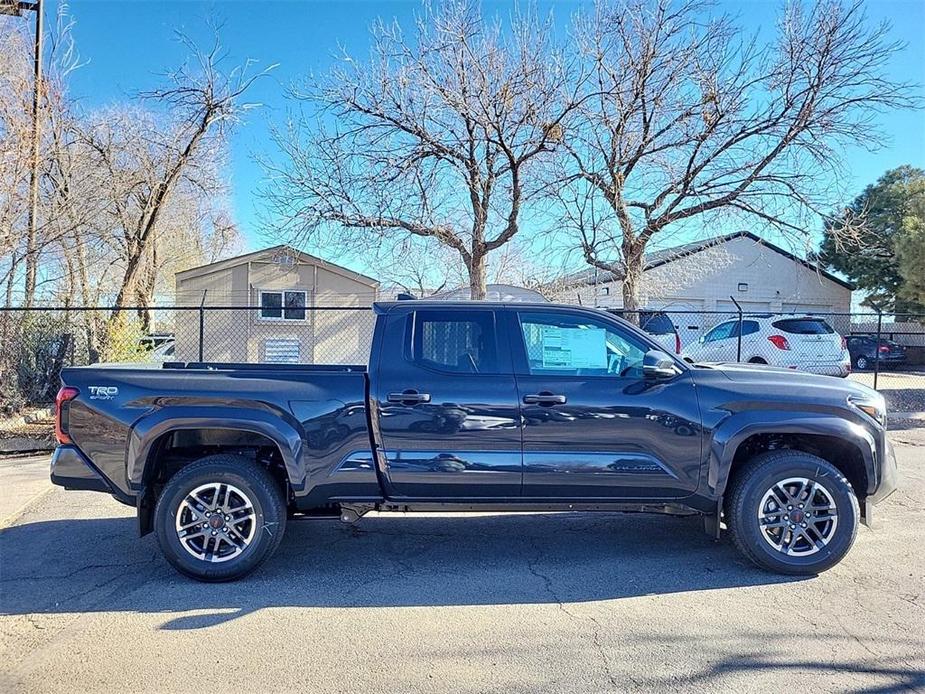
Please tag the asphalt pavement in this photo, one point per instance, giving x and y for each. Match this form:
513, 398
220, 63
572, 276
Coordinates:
454, 603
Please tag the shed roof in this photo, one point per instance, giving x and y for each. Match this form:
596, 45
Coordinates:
266, 255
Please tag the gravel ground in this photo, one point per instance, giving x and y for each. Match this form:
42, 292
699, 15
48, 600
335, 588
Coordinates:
442, 603
904, 389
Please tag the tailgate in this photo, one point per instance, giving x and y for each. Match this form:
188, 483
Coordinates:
810, 337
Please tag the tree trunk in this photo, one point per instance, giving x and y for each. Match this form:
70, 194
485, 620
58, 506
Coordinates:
145, 314
477, 281
144, 290
129, 280
8, 292
634, 259
31, 272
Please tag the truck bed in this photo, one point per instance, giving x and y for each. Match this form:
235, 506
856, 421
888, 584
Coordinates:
311, 418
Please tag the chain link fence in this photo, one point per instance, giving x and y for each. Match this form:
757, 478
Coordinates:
883, 351
39, 342
886, 352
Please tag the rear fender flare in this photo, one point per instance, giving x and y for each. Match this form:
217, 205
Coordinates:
729, 435
283, 430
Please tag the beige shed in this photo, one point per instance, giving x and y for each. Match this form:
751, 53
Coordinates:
257, 310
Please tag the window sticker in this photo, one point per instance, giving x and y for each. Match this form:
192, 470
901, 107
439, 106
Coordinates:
574, 348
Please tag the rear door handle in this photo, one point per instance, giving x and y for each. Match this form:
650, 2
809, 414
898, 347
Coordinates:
544, 398
409, 397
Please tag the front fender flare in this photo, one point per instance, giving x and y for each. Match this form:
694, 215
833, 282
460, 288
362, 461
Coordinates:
278, 428
730, 434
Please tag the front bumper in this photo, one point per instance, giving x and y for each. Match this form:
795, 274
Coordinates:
889, 476
889, 482
72, 470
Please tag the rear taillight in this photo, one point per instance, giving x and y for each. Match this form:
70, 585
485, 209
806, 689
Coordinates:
65, 395
844, 344
677, 343
884, 348
779, 341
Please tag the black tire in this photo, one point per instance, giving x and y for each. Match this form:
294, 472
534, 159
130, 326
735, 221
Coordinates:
861, 363
757, 360
748, 488
269, 516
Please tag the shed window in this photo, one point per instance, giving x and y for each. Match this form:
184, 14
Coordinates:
282, 305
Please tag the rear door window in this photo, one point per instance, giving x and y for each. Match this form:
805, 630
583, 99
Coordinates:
455, 341
804, 326
749, 327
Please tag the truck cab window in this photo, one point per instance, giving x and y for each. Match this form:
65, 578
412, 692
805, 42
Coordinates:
566, 345
455, 341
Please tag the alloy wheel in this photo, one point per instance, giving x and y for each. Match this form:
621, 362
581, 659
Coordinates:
216, 522
797, 516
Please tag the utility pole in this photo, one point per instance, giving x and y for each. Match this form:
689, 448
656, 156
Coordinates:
15, 8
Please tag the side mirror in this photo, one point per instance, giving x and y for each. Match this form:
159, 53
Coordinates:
702, 339
656, 365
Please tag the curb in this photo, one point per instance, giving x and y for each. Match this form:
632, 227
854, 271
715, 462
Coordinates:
22, 445
21, 511
906, 415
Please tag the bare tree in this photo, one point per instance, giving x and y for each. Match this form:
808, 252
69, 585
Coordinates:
688, 118
436, 136
151, 159
415, 266
63, 200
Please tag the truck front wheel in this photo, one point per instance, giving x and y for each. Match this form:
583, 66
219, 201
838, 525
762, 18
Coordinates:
793, 513
219, 518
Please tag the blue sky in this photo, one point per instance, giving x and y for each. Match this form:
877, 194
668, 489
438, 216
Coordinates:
129, 42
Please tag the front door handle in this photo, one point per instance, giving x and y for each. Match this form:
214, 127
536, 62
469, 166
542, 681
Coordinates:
546, 399
409, 397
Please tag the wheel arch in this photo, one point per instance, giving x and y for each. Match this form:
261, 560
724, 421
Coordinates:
147, 437
845, 445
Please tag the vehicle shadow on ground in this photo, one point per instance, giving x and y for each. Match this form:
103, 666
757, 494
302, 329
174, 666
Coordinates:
790, 656
395, 561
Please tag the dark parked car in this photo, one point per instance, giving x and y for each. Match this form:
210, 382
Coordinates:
659, 325
864, 350
478, 407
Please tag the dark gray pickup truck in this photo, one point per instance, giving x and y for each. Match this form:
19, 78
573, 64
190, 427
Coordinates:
475, 406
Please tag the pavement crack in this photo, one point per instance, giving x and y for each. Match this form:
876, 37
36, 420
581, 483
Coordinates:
88, 567
595, 632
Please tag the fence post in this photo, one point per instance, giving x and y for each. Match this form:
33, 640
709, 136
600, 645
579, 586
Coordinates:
738, 331
202, 323
877, 353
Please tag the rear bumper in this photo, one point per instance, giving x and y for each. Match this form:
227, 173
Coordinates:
72, 470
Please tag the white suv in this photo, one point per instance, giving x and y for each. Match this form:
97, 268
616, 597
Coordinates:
806, 343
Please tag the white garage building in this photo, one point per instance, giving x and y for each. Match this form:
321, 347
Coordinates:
702, 276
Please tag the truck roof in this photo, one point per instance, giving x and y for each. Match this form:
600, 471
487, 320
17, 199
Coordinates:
384, 306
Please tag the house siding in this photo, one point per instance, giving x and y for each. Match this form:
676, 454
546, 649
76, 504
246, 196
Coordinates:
705, 281
243, 336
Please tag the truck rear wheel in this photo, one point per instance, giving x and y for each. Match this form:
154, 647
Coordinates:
219, 518
793, 513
